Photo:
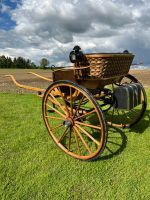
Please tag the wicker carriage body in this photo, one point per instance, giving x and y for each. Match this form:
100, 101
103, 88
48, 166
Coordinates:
104, 65
98, 70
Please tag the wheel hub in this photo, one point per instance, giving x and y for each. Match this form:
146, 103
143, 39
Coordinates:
68, 122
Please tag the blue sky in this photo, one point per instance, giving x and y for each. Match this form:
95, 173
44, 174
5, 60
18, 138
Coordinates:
50, 28
6, 23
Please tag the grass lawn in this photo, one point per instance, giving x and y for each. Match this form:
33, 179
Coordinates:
32, 167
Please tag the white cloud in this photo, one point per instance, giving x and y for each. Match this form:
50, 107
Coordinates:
51, 28
4, 8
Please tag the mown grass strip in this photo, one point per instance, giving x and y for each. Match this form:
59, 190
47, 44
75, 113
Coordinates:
32, 167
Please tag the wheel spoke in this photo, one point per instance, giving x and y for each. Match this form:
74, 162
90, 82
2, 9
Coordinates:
76, 93
88, 125
83, 141
56, 91
64, 101
51, 100
71, 102
88, 134
54, 100
63, 135
56, 110
60, 125
52, 117
81, 100
69, 141
77, 142
86, 114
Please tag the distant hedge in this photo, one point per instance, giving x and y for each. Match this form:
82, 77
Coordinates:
20, 62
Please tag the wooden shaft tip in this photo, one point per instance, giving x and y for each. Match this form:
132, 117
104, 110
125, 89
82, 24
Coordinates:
8, 75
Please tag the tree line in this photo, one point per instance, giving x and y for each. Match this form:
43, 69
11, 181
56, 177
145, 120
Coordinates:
20, 62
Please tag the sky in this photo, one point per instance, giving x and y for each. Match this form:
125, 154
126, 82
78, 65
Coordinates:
51, 28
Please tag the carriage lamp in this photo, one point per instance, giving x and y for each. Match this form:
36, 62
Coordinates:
72, 57
126, 51
76, 55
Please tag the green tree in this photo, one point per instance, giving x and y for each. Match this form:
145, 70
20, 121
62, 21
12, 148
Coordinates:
43, 63
9, 62
33, 66
20, 62
3, 62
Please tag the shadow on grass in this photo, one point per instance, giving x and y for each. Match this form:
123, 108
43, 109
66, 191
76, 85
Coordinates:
142, 125
116, 143
117, 139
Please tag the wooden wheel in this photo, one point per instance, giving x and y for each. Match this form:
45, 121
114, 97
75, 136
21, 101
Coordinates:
74, 120
125, 118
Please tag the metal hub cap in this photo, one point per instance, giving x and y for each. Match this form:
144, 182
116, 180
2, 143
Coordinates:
68, 122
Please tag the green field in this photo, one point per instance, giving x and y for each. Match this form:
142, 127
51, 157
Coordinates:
32, 167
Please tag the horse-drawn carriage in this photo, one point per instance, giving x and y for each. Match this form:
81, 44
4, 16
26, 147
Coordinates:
84, 99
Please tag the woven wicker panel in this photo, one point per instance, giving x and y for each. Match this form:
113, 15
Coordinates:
104, 66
